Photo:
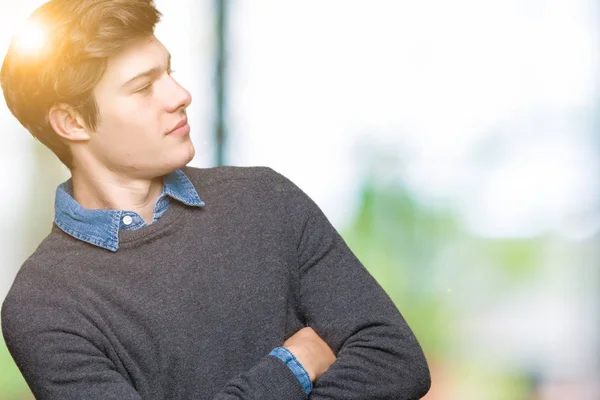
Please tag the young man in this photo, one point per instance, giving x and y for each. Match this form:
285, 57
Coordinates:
144, 291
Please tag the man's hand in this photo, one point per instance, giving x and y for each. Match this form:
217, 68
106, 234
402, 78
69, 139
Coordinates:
311, 351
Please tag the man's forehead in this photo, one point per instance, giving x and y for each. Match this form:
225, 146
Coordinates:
137, 57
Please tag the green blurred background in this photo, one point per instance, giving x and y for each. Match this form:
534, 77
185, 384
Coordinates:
454, 146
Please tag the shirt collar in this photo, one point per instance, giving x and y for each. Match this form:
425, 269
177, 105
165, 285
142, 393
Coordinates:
101, 227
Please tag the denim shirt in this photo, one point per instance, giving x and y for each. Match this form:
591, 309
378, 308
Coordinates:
101, 228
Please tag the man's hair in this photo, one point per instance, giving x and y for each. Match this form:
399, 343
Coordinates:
81, 35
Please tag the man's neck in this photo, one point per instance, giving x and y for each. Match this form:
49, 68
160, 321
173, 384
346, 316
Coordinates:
116, 192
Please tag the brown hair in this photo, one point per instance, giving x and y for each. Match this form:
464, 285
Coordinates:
81, 35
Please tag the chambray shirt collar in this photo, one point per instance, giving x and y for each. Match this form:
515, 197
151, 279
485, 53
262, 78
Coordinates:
101, 227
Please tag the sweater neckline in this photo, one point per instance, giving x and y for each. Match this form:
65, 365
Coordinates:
169, 219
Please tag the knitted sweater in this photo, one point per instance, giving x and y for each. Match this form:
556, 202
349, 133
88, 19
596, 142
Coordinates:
190, 306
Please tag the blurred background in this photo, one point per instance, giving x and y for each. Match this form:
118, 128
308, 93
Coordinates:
455, 146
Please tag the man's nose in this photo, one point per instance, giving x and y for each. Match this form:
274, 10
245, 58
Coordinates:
179, 97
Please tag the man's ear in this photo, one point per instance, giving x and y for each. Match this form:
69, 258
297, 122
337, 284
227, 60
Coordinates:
67, 123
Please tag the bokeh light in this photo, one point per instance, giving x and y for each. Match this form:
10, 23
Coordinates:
31, 37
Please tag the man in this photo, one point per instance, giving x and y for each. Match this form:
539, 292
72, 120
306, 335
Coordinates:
160, 281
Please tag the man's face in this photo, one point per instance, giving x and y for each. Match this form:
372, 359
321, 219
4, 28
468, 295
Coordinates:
140, 104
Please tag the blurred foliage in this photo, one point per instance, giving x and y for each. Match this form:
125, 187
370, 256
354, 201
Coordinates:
471, 380
398, 239
517, 258
436, 271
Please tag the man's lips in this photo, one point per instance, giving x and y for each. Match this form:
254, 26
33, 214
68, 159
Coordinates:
182, 128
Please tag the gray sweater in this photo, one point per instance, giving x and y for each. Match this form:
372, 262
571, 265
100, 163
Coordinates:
190, 306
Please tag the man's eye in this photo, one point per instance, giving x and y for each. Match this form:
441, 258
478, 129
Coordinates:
144, 89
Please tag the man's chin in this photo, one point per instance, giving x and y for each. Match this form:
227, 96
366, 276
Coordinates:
186, 158
190, 155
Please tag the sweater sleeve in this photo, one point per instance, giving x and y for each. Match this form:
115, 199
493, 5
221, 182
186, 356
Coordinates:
377, 354
56, 361
60, 360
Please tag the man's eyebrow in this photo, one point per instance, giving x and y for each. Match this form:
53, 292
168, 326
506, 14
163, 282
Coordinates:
151, 72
